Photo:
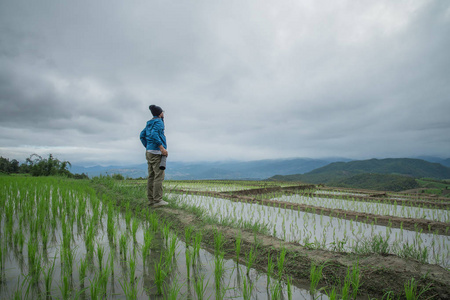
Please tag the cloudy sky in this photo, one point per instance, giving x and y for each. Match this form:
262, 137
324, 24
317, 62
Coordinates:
240, 79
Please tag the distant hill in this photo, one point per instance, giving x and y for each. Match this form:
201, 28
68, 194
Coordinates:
380, 182
338, 171
259, 169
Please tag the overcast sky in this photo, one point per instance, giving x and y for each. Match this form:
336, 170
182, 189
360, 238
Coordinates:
242, 80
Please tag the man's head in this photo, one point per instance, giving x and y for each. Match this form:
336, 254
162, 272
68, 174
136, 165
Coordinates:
156, 110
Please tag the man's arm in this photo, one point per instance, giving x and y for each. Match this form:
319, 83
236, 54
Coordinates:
143, 138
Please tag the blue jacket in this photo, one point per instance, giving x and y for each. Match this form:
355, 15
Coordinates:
152, 136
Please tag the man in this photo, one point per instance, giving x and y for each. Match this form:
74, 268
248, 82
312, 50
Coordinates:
154, 140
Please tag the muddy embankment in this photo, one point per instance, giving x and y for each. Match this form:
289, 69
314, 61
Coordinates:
413, 224
379, 274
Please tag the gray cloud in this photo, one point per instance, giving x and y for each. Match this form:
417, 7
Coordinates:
241, 79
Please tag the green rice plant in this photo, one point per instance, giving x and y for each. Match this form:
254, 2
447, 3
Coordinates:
289, 288
238, 246
411, 290
123, 245
64, 287
247, 288
219, 269
197, 243
173, 291
2, 257
171, 250
250, 259
111, 262
270, 266
94, 289
100, 253
355, 278
276, 291
132, 269
166, 232
48, 278
189, 258
345, 294
280, 262
188, 235
160, 275
200, 286
129, 289
82, 267
134, 228
128, 214
153, 222
332, 295
218, 242
315, 276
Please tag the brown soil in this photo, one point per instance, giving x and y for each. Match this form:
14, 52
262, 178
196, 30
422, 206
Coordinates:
379, 274
442, 228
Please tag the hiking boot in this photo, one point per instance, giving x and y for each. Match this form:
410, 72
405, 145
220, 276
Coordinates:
158, 204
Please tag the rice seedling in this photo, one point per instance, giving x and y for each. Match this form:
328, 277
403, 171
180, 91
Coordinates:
355, 279
189, 258
332, 294
289, 288
160, 275
218, 242
247, 288
64, 287
280, 262
82, 267
173, 290
219, 269
197, 243
250, 259
276, 291
100, 253
48, 278
134, 228
270, 266
123, 245
200, 286
315, 276
188, 235
411, 290
238, 245
345, 293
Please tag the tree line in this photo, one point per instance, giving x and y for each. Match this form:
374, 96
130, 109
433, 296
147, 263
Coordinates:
36, 165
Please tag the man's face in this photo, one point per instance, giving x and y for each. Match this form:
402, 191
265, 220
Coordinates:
161, 115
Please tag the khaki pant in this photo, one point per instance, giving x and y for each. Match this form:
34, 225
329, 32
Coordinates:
155, 178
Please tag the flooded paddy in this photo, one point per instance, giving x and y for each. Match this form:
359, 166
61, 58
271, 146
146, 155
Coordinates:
60, 240
324, 232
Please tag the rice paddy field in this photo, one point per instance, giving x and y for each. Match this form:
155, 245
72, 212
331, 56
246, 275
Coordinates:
98, 239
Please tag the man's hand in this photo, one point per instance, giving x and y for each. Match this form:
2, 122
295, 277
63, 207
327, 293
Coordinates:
163, 151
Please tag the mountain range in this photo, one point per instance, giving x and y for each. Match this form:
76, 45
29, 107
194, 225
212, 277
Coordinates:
322, 170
